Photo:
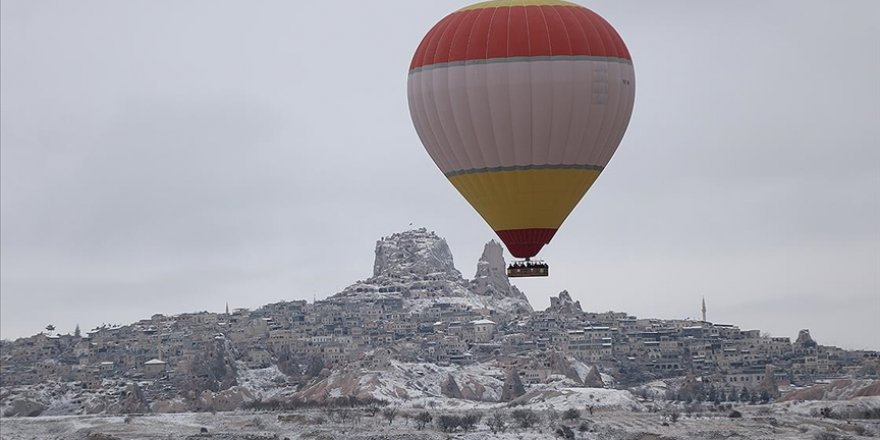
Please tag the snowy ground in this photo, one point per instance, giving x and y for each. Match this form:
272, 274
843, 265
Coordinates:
784, 421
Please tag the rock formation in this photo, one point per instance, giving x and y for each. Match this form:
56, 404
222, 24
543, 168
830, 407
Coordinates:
24, 408
513, 387
691, 388
450, 388
804, 340
131, 401
560, 364
491, 277
416, 268
417, 253
594, 379
563, 304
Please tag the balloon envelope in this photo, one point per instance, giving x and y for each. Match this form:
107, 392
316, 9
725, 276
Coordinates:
521, 104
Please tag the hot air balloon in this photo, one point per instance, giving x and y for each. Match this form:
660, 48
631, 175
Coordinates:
521, 104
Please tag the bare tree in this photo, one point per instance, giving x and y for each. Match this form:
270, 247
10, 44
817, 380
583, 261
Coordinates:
497, 422
448, 422
470, 420
372, 409
422, 419
526, 418
389, 414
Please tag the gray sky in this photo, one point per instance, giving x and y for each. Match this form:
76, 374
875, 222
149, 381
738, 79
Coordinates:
167, 156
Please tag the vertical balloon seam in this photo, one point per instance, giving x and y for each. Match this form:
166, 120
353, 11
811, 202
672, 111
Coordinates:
451, 128
492, 144
431, 129
565, 149
602, 114
420, 117
495, 142
530, 191
467, 93
629, 99
433, 37
552, 95
593, 47
436, 104
620, 120
456, 130
415, 113
606, 145
620, 123
507, 196
580, 190
509, 100
469, 185
630, 107
572, 101
424, 79
486, 189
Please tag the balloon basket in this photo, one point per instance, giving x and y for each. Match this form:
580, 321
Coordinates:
521, 269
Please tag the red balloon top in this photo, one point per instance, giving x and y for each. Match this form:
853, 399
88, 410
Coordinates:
523, 28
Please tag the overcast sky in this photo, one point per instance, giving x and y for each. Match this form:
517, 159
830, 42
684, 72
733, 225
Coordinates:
170, 156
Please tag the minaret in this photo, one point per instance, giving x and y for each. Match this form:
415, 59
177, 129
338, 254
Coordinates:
227, 308
704, 309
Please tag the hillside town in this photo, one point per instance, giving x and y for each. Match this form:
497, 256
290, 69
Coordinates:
418, 309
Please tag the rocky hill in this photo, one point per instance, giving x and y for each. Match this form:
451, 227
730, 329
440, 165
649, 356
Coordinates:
416, 331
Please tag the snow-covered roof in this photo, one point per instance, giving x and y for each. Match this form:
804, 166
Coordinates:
154, 362
482, 321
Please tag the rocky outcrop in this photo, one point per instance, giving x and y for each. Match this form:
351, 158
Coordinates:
513, 387
414, 270
594, 379
804, 340
24, 408
169, 406
131, 401
691, 388
560, 364
563, 304
226, 400
842, 389
94, 406
417, 252
473, 391
213, 369
449, 388
491, 278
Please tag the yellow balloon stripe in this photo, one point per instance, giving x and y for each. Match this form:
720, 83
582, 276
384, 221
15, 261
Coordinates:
511, 3
525, 199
